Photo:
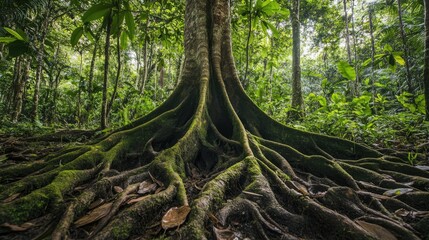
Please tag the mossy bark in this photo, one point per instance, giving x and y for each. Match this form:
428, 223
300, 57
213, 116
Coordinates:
211, 148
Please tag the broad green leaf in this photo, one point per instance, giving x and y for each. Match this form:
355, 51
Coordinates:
76, 35
18, 48
388, 48
95, 12
129, 20
14, 33
368, 61
7, 39
89, 34
124, 40
399, 59
273, 29
117, 21
391, 60
346, 70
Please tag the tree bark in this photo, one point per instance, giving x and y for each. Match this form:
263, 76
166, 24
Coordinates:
220, 166
91, 76
371, 32
21, 77
39, 70
118, 74
297, 110
406, 50
426, 63
355, 54
346, 21
103, 124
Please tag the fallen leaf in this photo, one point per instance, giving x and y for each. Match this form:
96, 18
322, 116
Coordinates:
412, 214
134, 200
174, 217
376, 230
402, 212
118, 189
156, 181
397, 191
422, 167
94, 215
11, 198
223, 234
15, 228
147, 187
96, 203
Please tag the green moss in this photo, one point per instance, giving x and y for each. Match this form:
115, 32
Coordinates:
121, 231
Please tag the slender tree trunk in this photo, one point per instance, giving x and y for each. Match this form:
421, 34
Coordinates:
297, 100
161, 77
145, 61
91, 77
19, 90
118, 74
79, 93
249, 35
346, 20
106, 74
426, 64
371, 31
405, 47
39, 69
356, 65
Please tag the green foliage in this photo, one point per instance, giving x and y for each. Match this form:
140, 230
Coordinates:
97, 11
346, 70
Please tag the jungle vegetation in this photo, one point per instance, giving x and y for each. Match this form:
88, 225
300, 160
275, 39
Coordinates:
214, 119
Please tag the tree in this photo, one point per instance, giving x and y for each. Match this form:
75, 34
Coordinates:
405, 47
262, 179
426, 64
297, 100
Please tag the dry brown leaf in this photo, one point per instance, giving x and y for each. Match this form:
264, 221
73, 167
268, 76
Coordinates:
223, 234
397, 191
16, 228
96, 203
156, 181
94, 215
118, 189
174, 217
11, 198
376, 230
134, 200
147, 187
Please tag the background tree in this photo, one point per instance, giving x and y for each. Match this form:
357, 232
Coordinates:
259, 178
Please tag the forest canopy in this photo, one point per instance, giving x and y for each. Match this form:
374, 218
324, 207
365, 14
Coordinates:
194, 119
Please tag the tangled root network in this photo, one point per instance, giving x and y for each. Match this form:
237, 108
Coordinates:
209, 164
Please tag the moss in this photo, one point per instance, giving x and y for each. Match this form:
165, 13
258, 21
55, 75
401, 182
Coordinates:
121, 231
25, 208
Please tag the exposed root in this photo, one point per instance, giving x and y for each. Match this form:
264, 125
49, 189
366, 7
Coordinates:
209, 149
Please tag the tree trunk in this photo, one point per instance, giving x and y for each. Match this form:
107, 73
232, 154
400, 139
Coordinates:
79, 92
21, 78
357, 82
39, 70
145, 60
103, 124
406, 50
118, 74
371, 31
297, 111
346, 21
249, 35
426, 63
218, 167
91, 77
